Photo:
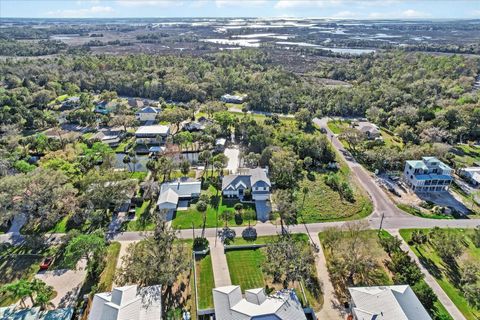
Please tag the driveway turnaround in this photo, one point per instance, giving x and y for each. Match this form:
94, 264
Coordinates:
66, 283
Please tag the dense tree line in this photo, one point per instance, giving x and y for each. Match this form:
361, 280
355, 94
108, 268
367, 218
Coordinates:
40, 48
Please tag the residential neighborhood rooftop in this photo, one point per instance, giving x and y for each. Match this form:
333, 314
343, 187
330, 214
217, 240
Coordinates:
127, 303
229, 304
387, 303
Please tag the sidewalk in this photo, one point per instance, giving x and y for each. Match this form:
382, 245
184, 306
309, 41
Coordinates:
430, 280
219, 264
331, 308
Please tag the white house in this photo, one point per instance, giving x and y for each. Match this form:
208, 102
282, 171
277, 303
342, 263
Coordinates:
370, 130
229, 304
386, 303
127, 303
228, 98
152, 134
427, 175
471, 174
147, 114
173, 192
256, 180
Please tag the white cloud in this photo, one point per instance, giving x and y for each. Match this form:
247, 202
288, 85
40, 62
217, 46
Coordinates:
407, 14
345, 15
475, 13
236, 3
148, 3
410, 13
82, 13
287, 4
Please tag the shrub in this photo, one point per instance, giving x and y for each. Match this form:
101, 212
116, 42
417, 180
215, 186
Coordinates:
200, 243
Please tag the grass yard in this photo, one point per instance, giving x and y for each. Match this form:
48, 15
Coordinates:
443, 273
108, 273
206, 283
143, 221
337, 126
246, 268
184, 219
324, 204
266, 239
122, 146
390, 140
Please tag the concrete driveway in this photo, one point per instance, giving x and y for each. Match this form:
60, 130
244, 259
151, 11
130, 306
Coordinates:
263, 209
233, 159
66, 283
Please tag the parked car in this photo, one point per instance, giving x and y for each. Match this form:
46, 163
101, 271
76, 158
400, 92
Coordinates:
46, 263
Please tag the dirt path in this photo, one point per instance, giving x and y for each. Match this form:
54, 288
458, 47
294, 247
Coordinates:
331, 308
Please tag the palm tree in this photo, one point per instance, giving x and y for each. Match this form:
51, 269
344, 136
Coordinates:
126, 160
285, 206
205, 156
150, 189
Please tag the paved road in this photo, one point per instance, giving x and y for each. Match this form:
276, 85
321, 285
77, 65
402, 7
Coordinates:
430, 280
381, 202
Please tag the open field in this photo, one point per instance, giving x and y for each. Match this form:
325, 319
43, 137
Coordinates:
444, 273
324, 204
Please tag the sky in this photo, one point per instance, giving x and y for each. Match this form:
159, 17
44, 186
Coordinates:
342, 9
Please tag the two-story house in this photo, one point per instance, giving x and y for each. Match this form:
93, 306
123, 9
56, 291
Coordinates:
152, 134
255, 180
427, 175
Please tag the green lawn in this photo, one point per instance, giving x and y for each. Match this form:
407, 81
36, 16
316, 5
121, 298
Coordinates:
205, 280
324, 204
246, 268
414, 211
106, 277
143, 221
443, 273
123, 145
337, 126
184, 219
266, 239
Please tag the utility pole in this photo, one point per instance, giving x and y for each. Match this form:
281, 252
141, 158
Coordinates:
381, 223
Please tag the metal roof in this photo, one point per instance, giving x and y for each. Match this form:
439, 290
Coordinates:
387, 303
